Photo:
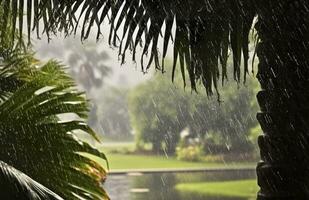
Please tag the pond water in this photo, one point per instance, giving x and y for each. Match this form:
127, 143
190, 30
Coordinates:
161, 186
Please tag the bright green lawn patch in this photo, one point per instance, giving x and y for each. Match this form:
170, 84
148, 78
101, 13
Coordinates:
128, 161
122, 161
242, 188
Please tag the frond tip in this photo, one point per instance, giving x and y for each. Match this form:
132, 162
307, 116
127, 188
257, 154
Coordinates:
16, 185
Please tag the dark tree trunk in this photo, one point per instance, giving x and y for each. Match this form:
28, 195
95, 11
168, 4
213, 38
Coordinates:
283, 73
156, 146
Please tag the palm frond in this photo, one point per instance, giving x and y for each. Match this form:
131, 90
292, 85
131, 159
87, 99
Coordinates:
34, 138
204, 30
16, 185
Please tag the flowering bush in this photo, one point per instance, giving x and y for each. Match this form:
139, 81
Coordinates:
190, 153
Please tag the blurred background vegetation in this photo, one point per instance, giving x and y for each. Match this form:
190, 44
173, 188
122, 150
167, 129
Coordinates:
146, 122
191, 125
161, 117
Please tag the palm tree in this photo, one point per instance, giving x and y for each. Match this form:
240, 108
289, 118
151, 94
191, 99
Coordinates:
36, 140
16, 185
86, 63
204, 32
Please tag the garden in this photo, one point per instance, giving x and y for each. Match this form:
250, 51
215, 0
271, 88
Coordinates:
154, 99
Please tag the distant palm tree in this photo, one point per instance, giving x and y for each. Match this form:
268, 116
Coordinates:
86, 62
204, 32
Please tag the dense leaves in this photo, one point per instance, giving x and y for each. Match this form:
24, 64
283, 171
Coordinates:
204, 29
159, 120
16, 185
34, 136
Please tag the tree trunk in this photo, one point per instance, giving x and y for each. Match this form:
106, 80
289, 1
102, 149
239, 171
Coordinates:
283, 52
156, 146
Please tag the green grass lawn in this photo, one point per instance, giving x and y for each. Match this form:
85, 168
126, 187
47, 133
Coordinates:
127, 162
241, 189
122, 161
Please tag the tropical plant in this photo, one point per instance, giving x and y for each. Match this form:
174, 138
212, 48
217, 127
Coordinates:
204, 31
36, 139
86, 65
16, 185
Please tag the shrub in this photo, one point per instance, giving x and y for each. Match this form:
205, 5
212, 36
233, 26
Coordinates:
190, 153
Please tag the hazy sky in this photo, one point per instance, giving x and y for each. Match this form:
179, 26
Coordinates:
129, 72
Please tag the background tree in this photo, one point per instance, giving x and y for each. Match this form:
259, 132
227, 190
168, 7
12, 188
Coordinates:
86, 62
113, 114
159, 120
230, 122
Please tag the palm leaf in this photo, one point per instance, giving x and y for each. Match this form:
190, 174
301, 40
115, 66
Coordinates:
16, 185
203, 29
36, 141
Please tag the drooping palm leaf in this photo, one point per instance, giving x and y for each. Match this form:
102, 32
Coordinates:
204, 29
36, 141
16, 185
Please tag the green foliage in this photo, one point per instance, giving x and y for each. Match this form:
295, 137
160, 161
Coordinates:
200, 41
189, 149
36, 141
113, 114
16, 185
190, 153
255, 132
156, 113
204, 30
35, 138
159, 111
